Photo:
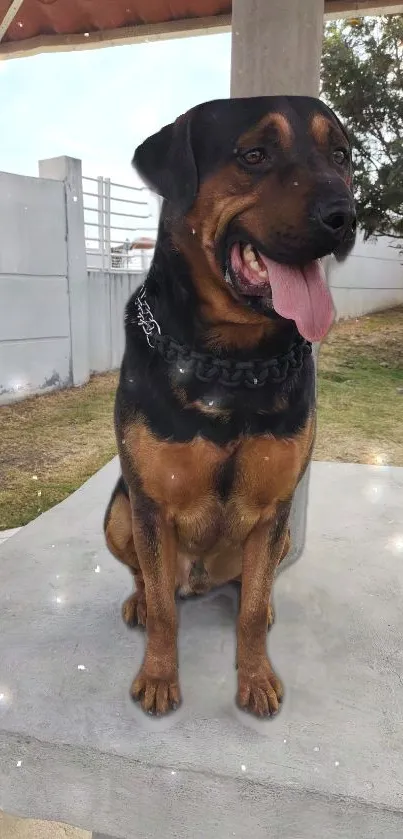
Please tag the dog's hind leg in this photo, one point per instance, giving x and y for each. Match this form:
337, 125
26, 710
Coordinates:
119, 539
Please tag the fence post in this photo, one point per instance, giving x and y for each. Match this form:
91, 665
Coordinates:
107, 222
100, 206
68, 170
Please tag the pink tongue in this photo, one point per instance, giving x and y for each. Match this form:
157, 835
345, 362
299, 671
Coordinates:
302, 295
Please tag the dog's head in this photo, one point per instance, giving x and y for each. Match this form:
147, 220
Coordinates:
265, 186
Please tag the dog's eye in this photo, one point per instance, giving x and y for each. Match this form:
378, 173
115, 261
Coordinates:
340, 156
253, 156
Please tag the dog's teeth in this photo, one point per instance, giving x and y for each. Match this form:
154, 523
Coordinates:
249, 256
262, 273
254, 265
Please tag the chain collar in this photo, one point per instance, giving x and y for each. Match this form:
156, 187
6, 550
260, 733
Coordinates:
145, 317
209, 368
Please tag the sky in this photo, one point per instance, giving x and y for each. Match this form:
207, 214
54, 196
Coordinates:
98, 105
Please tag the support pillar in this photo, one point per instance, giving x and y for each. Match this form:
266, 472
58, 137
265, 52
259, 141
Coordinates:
276, 47
276, 50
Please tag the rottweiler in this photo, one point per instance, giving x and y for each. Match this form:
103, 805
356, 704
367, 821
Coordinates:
215, 408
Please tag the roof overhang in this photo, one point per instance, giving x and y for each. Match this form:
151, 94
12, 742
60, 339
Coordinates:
98, 33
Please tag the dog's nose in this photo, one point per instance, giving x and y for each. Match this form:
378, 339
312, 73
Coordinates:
336, 218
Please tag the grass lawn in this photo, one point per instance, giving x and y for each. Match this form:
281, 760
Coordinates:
360, 409
49, 445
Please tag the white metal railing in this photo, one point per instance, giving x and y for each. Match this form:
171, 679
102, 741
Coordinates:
120, 225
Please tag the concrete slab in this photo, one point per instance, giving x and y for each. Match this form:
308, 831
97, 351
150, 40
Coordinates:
99, 836
7, 534
73, 747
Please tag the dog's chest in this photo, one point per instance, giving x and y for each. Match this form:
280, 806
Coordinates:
207, 490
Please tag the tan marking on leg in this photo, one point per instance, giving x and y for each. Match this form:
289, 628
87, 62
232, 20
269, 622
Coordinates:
156, 685
259, 689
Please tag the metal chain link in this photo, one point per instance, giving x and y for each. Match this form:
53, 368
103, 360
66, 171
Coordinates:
145, 317
208, 368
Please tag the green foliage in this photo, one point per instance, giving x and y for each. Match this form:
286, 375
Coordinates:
362, 79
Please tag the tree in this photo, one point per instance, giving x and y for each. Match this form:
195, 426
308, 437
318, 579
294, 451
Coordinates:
362, 80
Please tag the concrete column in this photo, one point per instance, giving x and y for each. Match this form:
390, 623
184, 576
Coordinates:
276, 50
68, 170
276, 47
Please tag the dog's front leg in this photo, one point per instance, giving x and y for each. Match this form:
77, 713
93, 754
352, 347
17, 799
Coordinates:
156, 686
259, 689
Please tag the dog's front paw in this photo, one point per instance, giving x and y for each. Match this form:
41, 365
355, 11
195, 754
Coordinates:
156, 696
134, 610
259, 690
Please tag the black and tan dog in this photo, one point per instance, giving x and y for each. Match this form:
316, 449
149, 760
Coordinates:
215, 410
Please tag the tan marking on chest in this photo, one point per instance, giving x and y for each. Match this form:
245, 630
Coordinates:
267, 472
210, 408
182, 479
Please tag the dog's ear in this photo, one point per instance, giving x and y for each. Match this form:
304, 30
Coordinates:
166, 163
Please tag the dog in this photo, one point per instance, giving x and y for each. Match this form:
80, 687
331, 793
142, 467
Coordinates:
215, 407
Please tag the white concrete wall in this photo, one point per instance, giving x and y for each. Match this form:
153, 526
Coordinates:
67, 170
58, 321
108, 293
370, 280
34, 306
